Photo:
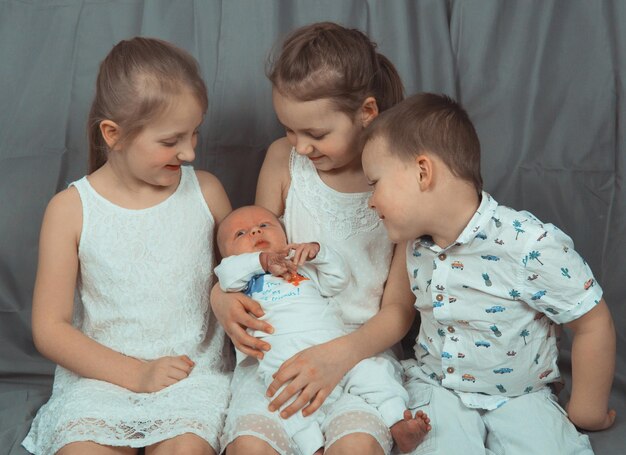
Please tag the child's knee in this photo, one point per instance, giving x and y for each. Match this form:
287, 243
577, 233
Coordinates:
244, 445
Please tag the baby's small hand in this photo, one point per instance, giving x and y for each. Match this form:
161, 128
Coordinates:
303, 252
157, 374
278, 265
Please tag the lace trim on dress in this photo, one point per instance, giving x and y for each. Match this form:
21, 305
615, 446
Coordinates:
343, 214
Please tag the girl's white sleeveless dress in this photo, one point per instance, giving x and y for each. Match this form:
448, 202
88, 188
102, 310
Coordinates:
316, 212
144, 283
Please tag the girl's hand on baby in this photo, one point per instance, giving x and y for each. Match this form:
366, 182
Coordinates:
313, 374
303, 252
237, 312
157, 374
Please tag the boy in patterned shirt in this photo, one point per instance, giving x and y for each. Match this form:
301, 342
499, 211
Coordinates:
490, 285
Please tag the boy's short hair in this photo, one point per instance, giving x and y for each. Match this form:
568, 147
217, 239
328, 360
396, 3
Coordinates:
435, 124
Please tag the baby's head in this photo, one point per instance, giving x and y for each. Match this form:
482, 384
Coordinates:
138, 81
406, 143
250, 229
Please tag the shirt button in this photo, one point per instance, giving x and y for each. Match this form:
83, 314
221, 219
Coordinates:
442, 257
439, 297
450, 329
450, 370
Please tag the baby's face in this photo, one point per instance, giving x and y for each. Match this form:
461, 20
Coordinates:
251, 229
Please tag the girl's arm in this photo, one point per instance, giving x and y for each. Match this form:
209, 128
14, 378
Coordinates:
214, 195
593, 365
236, 311
274, 178
53, 303
316, 371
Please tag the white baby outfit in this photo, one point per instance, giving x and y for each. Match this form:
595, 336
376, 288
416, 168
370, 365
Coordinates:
316, 213
144, 284
302, 317
487, 349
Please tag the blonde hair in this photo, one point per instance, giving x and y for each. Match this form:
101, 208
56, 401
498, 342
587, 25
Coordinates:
137, 82
326, 60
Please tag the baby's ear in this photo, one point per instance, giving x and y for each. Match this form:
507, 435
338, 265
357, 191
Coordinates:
369, 110
110, 132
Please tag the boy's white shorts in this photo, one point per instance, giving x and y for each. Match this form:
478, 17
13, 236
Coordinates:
529, 424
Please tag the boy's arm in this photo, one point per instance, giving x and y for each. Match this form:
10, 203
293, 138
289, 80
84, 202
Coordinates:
234, 272
593, 365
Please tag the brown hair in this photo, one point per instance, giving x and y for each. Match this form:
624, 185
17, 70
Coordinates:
136, 83
435, 124
326, 60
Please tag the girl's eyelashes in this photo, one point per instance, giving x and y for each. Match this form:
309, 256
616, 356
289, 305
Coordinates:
240, 233
317, 137
174, 142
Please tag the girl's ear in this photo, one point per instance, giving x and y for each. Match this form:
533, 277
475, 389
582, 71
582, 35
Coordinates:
369, 110
110, 132
425, 172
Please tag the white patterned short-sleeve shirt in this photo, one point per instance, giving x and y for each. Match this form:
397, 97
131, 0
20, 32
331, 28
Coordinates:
488, 302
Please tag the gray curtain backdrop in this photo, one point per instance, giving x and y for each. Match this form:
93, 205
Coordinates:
542, 80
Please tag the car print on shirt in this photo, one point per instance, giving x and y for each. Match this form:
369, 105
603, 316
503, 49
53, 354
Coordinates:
481, 235
446, 355
497, 221
495, 331
482, 343
452, 299
551, 311
500, 388
545, 374
487, 280
490, 257
437, 304
468, 377
460, 355
590, 282
528, 389
503, 370
495, 309
537, 295
457, 265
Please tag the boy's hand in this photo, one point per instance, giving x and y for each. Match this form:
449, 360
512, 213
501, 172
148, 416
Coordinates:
160, 373
303, 252
586, 419
278, 265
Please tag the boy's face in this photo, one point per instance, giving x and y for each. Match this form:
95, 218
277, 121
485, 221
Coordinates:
397, 194
251, 229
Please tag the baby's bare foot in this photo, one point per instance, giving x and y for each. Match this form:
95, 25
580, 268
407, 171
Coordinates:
410, 432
